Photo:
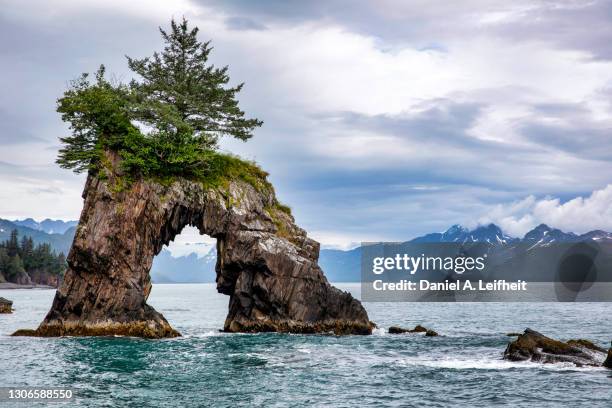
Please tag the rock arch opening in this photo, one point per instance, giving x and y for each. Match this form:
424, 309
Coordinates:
265, 263
190, 258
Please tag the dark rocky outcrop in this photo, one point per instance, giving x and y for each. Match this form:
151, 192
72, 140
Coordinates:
6, 306
608, 362
534, 346
266, 264
417, 329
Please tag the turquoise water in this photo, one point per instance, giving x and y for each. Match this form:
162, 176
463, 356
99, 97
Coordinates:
462, 367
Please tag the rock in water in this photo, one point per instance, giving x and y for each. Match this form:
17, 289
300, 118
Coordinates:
431, 333
417, 329
608, 362
534, 346
266, 264
398, 330
6, 306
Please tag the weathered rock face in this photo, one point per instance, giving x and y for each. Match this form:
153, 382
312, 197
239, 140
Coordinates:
266, 264
534, 346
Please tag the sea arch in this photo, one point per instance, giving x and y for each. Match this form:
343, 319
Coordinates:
265, 263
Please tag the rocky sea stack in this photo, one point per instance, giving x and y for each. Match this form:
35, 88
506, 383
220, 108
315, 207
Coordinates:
266, 264
534, 346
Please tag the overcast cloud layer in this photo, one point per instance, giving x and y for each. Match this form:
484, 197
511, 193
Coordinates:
383, 119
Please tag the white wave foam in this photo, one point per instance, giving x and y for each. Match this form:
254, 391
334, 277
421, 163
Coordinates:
210, 333
379, 331
491, 364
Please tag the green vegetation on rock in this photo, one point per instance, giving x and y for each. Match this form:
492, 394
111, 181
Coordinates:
166, 124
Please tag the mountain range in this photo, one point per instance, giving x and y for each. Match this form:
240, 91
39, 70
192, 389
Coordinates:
338, 265
184, 269
41, 232
345, 266
48, 225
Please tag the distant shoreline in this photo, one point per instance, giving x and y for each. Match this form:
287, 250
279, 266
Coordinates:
9, 285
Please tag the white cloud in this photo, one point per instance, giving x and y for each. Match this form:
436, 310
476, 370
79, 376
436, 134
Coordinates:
36, 197
316, 68
480, 53
579, 215
47, 10
327, 68
336, 240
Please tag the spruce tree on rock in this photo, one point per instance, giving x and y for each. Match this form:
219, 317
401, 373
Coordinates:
164, 124
184, 97
98, 114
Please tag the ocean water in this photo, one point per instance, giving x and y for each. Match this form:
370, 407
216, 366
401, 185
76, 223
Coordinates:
462, 367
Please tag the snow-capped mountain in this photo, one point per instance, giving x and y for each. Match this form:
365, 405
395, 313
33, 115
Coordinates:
490, 233
544, 235
344, 266
48, 225
597, 235
456, 233
195, 261
540, 235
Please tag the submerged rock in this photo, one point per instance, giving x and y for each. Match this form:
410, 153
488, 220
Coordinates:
265, 263
6, 306
417, 329
534, 346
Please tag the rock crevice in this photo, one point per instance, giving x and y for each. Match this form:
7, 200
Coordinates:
265, 263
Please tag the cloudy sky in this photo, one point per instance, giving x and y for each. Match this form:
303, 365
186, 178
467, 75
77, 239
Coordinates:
383, 120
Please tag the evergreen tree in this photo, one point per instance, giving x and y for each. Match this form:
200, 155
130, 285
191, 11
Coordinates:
60, 265
98, 117
183, 96
5, 260
12, 246
27, 251
15, 268
184, 103
19, 258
